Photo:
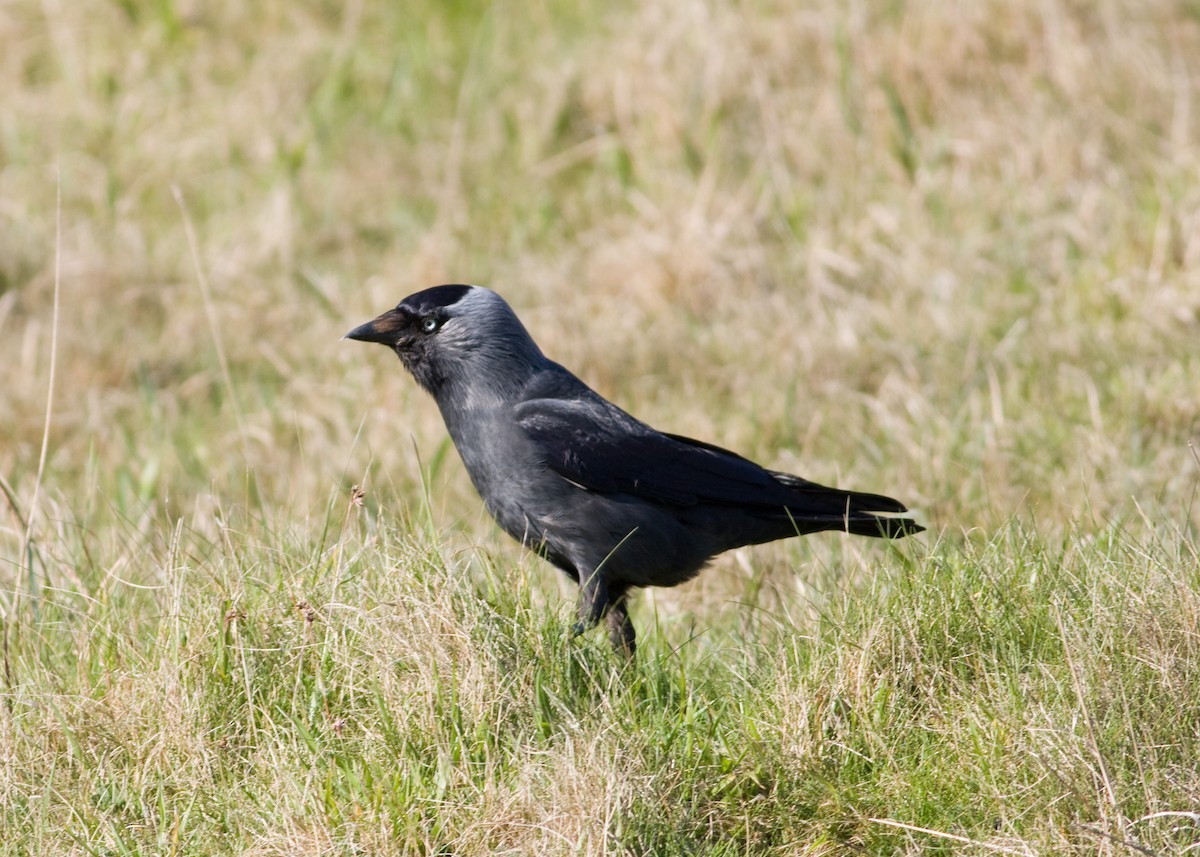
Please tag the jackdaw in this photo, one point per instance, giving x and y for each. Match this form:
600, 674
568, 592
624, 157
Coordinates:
609, 500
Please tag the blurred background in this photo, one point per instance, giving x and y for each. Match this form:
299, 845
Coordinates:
945, 251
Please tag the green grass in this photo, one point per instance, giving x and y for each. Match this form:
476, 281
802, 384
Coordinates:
270, 693
947, 252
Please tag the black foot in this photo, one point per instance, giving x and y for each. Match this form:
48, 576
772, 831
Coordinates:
620, 630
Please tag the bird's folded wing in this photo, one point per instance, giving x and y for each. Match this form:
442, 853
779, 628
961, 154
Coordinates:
609, 452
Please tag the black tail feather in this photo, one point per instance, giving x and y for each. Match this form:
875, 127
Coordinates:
881, 527
819, 507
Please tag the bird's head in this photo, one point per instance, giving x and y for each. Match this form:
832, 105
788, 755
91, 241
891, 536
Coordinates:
455, 333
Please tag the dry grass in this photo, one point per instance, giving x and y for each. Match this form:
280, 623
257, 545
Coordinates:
945, 251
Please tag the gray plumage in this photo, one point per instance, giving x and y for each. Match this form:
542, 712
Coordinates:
606, 498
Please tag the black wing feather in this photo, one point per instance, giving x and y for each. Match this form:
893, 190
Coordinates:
605, 450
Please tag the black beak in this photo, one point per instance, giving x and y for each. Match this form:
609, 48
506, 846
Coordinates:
382, 330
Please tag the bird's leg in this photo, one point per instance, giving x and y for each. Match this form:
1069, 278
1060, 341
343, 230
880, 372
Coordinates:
594, 602
620, 629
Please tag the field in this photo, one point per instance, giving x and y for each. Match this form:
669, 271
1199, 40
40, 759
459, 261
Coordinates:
944, 251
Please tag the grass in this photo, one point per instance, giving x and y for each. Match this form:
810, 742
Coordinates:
944, 252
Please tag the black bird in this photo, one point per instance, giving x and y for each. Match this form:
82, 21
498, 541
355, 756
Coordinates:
609, 500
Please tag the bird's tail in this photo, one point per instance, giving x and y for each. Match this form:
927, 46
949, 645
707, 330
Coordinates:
819, 507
